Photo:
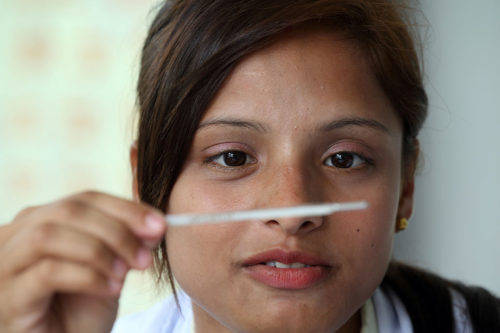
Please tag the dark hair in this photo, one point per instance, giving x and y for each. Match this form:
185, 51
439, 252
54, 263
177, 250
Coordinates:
193, 45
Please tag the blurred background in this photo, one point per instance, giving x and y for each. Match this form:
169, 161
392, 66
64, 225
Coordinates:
68, 70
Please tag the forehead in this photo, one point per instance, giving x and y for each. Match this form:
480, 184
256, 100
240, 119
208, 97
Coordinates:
300, 50
314, 69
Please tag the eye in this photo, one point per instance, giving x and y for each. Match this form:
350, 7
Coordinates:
232, 158
345, 160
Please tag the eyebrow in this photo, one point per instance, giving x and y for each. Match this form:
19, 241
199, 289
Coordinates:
347, 122
331, 126
248, 124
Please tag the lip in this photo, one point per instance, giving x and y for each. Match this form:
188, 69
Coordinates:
287, 278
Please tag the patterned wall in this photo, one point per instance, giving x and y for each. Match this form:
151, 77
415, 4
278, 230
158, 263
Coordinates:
67, 75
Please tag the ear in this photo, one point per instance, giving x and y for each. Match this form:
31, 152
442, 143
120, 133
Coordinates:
406, 196
133, 166
405, 207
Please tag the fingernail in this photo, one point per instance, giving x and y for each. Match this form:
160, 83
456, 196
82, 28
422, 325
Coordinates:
150, 244
114, 286
119, 268
155, 222
143, 258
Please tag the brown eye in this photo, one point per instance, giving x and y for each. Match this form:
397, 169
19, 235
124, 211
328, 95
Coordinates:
344, 160
234, 158
231, 158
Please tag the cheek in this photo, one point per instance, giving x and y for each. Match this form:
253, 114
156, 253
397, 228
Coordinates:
196, 252
193, 193
369, 240
203, 249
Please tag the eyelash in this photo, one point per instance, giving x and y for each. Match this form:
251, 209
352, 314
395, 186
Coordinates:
212, 160
356, 158
361, 159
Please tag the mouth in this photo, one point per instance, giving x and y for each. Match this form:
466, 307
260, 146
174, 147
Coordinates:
287, 270
277, 264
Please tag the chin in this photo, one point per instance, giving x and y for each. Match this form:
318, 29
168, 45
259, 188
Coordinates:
291, 326
294, 315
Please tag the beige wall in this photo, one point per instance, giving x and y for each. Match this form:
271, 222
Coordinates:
67, 75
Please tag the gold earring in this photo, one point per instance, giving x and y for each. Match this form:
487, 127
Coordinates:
402, 224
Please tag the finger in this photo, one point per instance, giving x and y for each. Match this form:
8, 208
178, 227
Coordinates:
59, 241
85, 215
109, 229
21, 218
145, 220
39, 283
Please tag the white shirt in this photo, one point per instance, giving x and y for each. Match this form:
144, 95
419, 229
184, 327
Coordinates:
383, 312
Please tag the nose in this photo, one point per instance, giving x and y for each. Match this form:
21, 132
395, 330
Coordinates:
292, 187
297, 226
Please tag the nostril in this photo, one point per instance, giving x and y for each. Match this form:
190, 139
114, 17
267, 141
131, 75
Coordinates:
307, 225
272, 222
293, 226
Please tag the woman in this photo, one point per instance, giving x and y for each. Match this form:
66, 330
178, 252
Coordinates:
252, 104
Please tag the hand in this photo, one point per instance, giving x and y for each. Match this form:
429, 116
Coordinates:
63, 264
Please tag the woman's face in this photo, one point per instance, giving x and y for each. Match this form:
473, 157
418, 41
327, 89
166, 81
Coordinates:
302, 121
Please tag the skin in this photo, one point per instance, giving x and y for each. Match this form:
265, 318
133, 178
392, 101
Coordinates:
64, 263
289, 108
